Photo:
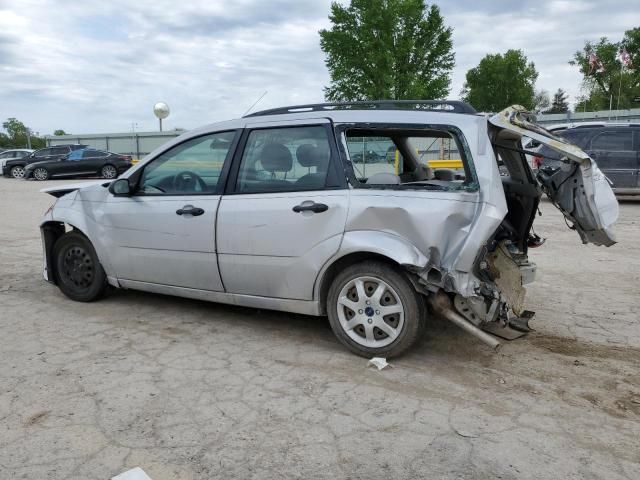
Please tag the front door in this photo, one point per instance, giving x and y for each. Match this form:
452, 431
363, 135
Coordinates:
614, 153
165, 232
285, 213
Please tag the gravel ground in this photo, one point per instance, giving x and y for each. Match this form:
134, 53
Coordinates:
194, 390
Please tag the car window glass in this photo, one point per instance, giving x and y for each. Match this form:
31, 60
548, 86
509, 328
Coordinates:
285, 159
613, 141
59, 151
432, 158
6, 155
92, 153
75, 155
189, 168
44, 152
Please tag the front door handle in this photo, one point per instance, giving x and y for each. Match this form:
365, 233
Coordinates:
309, 206
190, 210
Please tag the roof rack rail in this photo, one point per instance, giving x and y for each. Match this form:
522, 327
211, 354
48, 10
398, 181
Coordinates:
449, 106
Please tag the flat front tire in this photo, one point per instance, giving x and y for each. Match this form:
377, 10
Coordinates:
374, 310
79, 274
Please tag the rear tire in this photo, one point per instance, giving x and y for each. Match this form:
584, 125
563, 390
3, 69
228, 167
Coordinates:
17, 171
79, 274
374, 310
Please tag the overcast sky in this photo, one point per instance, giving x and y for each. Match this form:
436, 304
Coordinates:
99, 66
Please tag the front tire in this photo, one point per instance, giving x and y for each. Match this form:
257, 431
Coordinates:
79, 274
40, 174
17, 171
374, 310
109, 172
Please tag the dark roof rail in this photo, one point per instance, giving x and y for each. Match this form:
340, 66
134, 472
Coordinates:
449, 106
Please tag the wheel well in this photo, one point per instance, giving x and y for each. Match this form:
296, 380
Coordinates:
51, 232
343, 263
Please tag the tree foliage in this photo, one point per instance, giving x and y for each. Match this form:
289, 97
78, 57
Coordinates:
500, 81
59, 133
387, 49
17, 134
559, 103
610, 84
541, 101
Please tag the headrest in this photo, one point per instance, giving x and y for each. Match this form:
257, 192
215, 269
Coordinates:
383, 178
275, 157
310, 155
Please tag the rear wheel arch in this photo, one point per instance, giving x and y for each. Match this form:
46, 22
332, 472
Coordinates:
345, 261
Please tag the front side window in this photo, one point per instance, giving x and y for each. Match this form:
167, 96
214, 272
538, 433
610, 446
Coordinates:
59, 151
285, 159
193, 167
413, 158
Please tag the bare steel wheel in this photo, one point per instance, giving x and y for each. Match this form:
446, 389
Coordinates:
109, 171
17, 171
40, 173
374, 309
79, 274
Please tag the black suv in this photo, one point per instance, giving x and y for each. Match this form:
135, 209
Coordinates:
614, 147
15, 168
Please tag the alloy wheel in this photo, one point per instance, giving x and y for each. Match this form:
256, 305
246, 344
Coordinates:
109, 171
17, 172
40, 174
370, 311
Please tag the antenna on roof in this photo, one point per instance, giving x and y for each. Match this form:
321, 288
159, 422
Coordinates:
256, 102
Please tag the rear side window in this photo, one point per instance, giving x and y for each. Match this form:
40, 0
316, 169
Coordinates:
44, 152
285, 159
413, 158
93, 154
614, 141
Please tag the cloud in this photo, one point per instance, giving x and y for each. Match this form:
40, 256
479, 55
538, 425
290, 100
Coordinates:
95, 66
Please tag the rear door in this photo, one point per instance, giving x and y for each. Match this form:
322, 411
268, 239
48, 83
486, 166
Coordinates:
613, 151
284, 213
576, 186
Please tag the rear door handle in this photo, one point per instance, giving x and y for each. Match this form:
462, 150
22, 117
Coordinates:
310, 206
190, 210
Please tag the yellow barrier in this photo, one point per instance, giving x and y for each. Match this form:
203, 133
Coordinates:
445, 163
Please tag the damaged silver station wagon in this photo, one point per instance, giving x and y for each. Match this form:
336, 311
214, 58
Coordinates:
376, 214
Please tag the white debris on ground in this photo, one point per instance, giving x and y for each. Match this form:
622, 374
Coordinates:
379, 363
133, 474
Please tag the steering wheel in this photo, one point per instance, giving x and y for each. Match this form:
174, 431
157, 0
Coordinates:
185, 182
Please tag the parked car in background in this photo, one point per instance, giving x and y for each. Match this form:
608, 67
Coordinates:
14, 154
87, 162
369, 157
16, 168
614, 147
271, 211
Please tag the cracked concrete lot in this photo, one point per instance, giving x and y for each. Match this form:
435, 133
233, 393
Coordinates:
194, 390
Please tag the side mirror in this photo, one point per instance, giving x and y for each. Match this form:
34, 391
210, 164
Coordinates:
120, 188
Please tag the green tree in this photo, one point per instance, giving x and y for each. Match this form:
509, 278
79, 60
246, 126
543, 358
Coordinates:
18, 135
501, 80
541, 101
387, 49
609, 83
59, 133
559, 103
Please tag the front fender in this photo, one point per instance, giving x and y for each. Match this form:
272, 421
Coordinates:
68, 210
